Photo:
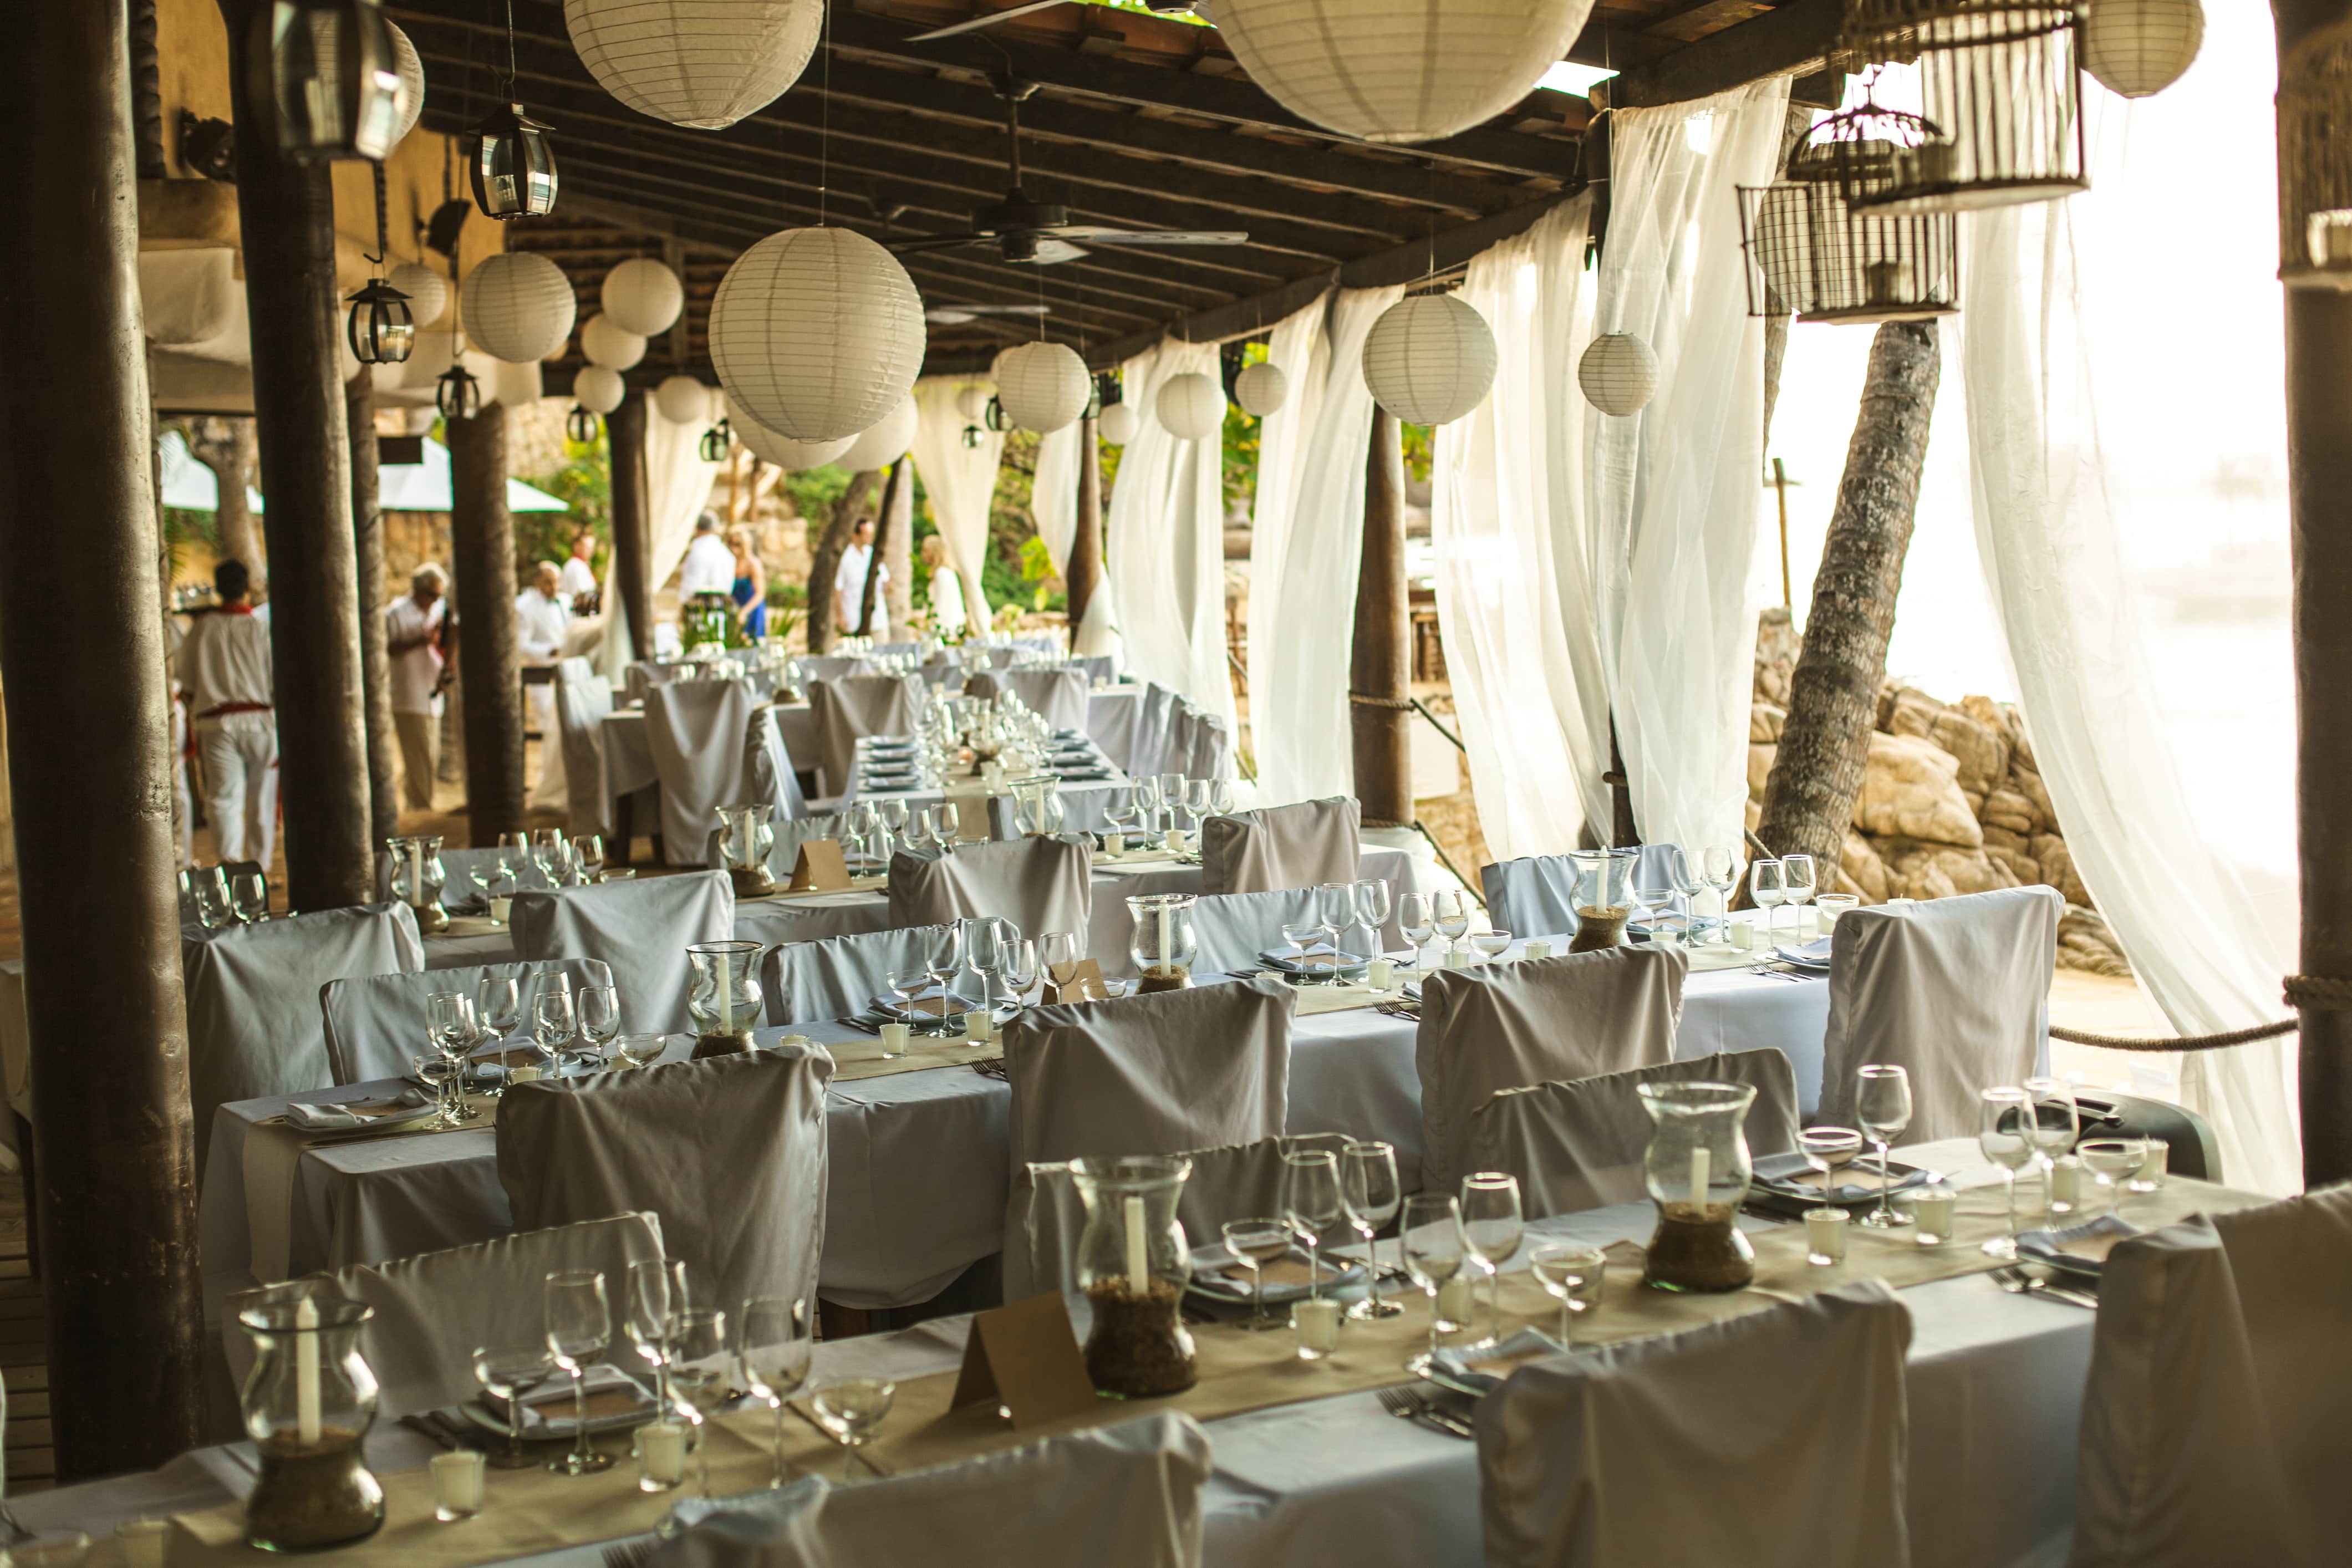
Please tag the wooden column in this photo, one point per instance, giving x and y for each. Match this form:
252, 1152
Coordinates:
481, 545
287, 213
1087, 545
375, 664
81, 662
1379, 678
625, 435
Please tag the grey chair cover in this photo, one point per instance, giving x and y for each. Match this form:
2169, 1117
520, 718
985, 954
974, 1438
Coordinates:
1125, 1496
768, 777
432, 1310
1510, 1026
643, 675
1795, 1416
1095, 666
1533, 896
1232, 929
1155, 736
848, 708
831, 666
1208, 751
811, 982
1038, 884
582, 701
1954, 991
696, 729
2213, 1420
463, 870
641, 928
374, 1025
1301, 845
253, 1000
1579, 1143
1056, 696
730, 1153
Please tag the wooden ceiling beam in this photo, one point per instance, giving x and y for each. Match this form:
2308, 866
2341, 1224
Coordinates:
1794, 41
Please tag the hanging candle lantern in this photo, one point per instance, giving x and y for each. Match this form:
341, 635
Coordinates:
770, 447
683, 400
327, 73
644, 296
1813, 254
2138, 47
579, 426
717, 441
1262, 389
817, 332
1191, 407
1041, 387
517, 307
2314, 105
459, 395
692, 62
599, 388
510, 164
1118, 424
884, 444
381, 331
1429, 359
1399, 70
604, 342
1619, 373
411, 70
427, 292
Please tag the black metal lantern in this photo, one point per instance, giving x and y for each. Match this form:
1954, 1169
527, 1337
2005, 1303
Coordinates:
994, 419
325, 72
716, 441
381, 331
580, 425
1815, 253
459, 396
510, 163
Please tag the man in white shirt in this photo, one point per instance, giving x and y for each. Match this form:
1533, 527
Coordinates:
580, 585
542, 620
412, 634
225, 665
709, 565
849, 585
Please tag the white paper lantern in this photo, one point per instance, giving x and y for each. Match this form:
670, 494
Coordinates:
427, 292
885, 443
704, 63
516, 306
1191, 407
1430, 360
782, 449
644, 296
604, 342
1619, 373
683, 400
2141, 47
1118, 424
1399, 70
409, 101
1262, 390
817, 332
599, 388
1043, 386
972, 402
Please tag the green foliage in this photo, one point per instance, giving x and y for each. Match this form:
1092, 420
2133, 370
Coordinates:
585, 485
815, 492
1420, 451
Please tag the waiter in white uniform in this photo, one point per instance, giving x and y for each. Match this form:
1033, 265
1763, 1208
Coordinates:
411, 633
542, 620
849, 584
225, 665
580, 585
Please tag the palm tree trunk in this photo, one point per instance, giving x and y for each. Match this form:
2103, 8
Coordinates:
824, 562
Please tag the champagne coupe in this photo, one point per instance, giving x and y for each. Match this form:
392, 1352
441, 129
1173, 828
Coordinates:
1434, 1248
1254, 1244
551, 1027
1308, 1198
1369, 1192
852, 1412
600, 1019
507, 1373
1493, 1226
2110, 1160
777, 1353
1571, 1275
1883, 1107
2005, 1135
579, 1322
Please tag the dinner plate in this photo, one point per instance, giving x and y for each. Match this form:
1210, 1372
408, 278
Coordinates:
613, 1403
2080, 1250
890, 1008
1211, 1281
1811, 955
1779, 1182
1286, 960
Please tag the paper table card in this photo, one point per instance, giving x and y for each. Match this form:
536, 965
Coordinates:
1025, 1357
820, 868
1079, 982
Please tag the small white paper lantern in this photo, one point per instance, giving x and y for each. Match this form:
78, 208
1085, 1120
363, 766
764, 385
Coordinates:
604, 342
409, 101
644, 296
1043, 386
781, 450
1262, 389
973, 404
1399, 70
817, 332
1191, 407
516, 306
683, 400
1619, 373
2140, 46
1118, 424
599, 388
703, 63
1430, 360
885, 443
427, 292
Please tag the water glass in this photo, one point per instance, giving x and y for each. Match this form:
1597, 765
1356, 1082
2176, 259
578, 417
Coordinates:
1253, 1244
1825, 1232
1431, 1237
777, 1350
1310, 1201
1883, 1105
249, 892
1370, 1193
579, 1325
2005, 1123
1571, 1275
2150, 1175
208, 890
507, 1372
1935, 1210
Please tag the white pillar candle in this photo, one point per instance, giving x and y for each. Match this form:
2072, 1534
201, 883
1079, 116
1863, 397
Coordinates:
416, 873
1700, 1158
1456, 1299
1167, 942
2066, 1184
306, 1370
499, 909
1382, 975
1536, 948
1138, 1259
1172, 840
726, 1003
141, 1542
977, 1026
1318, 1325
1825, 1235
1933, 1210
458, 1484
661, 1455
895, 1039
1113, 843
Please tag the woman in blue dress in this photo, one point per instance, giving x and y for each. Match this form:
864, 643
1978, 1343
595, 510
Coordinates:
751, 590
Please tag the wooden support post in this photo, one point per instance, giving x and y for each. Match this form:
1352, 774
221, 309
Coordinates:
1379, 679
625, 435
375, 664
90, 750
895, 543
1087, 546
287, 213
481, 533
878, 561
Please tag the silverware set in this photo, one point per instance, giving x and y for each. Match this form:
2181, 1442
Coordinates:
2017, 1282
1421, 1407
1780, 972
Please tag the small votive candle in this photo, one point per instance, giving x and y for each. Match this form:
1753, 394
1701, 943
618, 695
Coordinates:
977, 1026
522, 1074
459, 1482
499, 910
661, 1455
2151, 1172
1935, 1209
1456, 959
143, 1542
1536, 948
2065, 1185
1455, 1301
1113, 843
1744, 934
895, 1038
1825, 1232
1174, 841
1318, 1325
1382, 975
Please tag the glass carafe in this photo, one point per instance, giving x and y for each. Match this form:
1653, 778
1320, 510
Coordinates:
1698, 1170
1133, 1266
1604, 879
723, 996
1037, 809
746, 834
308, 1404
417, 878
1162, 944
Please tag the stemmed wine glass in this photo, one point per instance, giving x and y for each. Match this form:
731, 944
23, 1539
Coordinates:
777, 1350
2005, 1133
1829, 1150
1797, 882
1768, 885
1430, 1238
514, 854
546, 852
1683, 870
454, 1032
1492, 1224
1310, 1204
599, 1008
1060, 952
507, 1372
1720, 867
893, 812
249, 893
699, 1374
943, 962
2109, 1161
1418, 924
950, 819
498, 1003
921, 830
1200, 803
657, 1295
551, 1024
1020, 970
1221, 798
1335, 906
1254, 1244
853, 1411
1171, 797
1143, 799
2055, 1123
1571, 1275
588, 855
579, 1322
1369, 1192
1372, 912
208, 889
1883, 1105
1451, 908
983, 946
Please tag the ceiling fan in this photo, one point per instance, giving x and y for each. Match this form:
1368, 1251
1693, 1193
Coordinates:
1041, 233
1165, 8
964, 315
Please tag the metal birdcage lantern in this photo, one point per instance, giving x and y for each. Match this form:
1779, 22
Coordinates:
1813, 252
715, 442
2315, 113
510, 164
2001, 103
579, 426
459, 394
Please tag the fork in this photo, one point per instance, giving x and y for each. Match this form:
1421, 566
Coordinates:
631, 1554
1408, 1405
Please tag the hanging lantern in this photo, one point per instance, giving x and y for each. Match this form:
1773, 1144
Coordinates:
427, 292
2314, 117
1399, 70
459, 394
770, 447
692, 62
817, 332
973, 404
411, 93
1619, 373
2138, 47
1811, 254
717, 442
644, 296
1041, 387
683, 400
1191, 407
1262, 390
1429, 359
599, 388
579, 426
604, 342
1118, 424
381, 329
517, 307
327, 71
510, 164
885, 443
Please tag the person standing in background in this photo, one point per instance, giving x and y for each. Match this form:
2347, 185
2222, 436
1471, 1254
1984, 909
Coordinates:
709, 565
225, 665
411, 636
947, 591
183, 802
849, 585
580, 585
542, 624
749, 591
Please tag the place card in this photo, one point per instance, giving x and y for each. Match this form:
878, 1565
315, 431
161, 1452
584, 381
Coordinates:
1079, 982
820, 868
1025, 1357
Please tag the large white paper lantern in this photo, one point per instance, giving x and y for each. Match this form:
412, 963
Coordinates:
1191, 407
704, 63
1399, 70
781, 450
1118, 424
683, 400
644, 296
1262, 390
2140, 46
1430, 360
408, 102
885, 443
1043, 386
817, 332
516, 306
1619, 373
972, 402
427, 292
604, 341
599, 388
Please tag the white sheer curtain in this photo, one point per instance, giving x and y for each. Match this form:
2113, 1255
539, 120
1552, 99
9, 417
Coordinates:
677, 487
1514, 593
1165, 544
1054, 492
960, 481
1306, 544
1674, 488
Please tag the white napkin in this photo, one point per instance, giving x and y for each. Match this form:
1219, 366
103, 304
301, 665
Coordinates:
350, 1113
552, 1399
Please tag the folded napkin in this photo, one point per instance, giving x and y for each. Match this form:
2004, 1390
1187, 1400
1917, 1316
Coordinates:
611, 1392
353, 1112
1482, 1372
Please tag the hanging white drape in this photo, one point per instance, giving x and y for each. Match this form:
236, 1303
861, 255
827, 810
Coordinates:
1674, 488
1054, 492
678, 487
1305, 545
1514, 594
1166, 541
960, 481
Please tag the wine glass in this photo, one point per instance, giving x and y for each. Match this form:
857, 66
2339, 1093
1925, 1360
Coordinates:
983, 948
209, 890
1199, 804
1797, 882
1020, 969
1143, 798
1221, 798
1883, 1105
1369, 1193
498, 1003
1335, 904
1491, 944
942, 962
1372, 912
1303, 935
1768, 885
1492, 1224
657, 1295
546, 853
1308, 1199
950, 825
599, 1008
893, 812
1254, 1244
1171, 795
551, 1024
1060, 952
1571, 1275
2109, 1159
698, 1371
588, 854
1719, 866
579, 1322
514, 854
1450, 909
853, 1411
2056, 1121
450, 1025
507, 1372
777, 1351
859, 823
1683, 871
1418, 923
436, 1073
248, 894
1431, 1239
2005, 1133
